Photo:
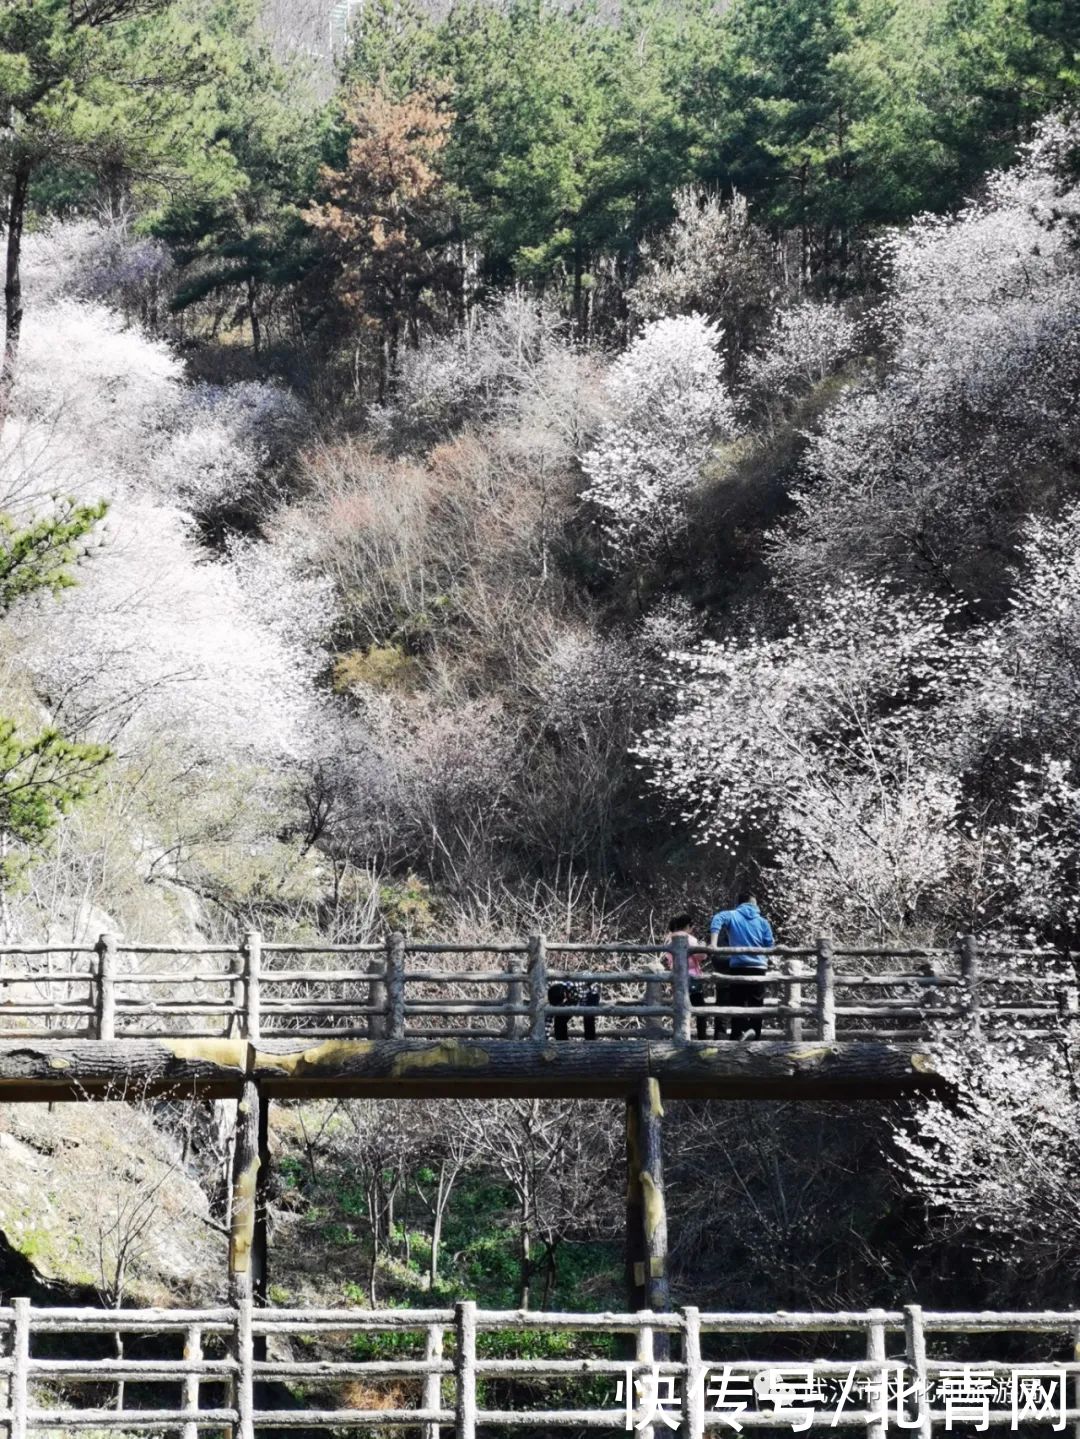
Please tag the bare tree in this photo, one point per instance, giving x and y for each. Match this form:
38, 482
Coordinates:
555, 1155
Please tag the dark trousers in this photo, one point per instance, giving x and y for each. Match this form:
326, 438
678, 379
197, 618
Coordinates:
560, 994
750, 997
698, 999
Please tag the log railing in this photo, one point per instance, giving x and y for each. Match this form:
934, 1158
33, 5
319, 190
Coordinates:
401, 989
463, 1371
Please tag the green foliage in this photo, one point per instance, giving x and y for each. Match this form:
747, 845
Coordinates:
41, 777
96, 90
239, 225
833, 116
37, 556
406, 904
1003, 64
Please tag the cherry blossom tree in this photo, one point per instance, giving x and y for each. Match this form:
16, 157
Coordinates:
713, 259
803, 346
159, 639
832, 745
668, 406
928, 472
995, 1163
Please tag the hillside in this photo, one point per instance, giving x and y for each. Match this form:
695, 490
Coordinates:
548, 469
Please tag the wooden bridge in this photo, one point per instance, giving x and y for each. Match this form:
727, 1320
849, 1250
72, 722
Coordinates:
262, 1022
457, 1019
469, 1372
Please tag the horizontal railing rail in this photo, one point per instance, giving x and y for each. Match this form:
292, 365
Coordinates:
535, 990
465, 1371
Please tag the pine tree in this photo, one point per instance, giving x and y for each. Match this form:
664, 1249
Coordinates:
41, 775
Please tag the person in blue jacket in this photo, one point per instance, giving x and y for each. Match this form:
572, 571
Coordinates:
743, 927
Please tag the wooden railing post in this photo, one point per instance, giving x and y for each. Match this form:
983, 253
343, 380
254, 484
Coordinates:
515, 993
694, 1380
465, 1369
826, 990
1069, 1010
6, 1351
106, 986
252, 986
654, 998
793, 1026
433, 1350
378, 1021
193, 1354
395, 985
20, 1368
915, 1345
1076, 1379
680, 989
969, 973
646, 1355
538, 987
238, 990
878, 1382
245, 1376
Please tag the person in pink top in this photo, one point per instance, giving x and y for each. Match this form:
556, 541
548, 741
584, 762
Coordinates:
679, 924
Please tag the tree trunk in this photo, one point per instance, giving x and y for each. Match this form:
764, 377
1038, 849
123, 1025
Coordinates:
118, 1351
436, 1242
579, 269
447, 1176
253, 316
13, 308
373, 1212
526, 1264
551, 1270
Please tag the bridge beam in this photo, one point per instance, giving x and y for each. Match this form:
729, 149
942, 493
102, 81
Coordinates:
59, 1069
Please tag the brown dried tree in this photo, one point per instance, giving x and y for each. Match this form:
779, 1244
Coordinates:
381, 219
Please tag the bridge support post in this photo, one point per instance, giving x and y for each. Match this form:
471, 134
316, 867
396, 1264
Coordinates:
260, 1245
243, 1262
646, 1213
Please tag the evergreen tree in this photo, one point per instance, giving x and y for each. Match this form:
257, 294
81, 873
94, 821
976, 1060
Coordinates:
99, 96
240, 229
41, 775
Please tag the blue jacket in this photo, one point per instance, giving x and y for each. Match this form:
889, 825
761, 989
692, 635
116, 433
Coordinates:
747, 928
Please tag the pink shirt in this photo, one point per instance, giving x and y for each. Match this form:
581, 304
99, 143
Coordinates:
695, 959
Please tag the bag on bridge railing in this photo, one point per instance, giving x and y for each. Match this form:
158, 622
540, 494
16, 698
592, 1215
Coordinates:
569, 994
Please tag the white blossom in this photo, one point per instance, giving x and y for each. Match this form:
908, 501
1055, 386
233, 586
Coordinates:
805, 344
669, 405
975, 418
995, 1164
157, 639
832, 743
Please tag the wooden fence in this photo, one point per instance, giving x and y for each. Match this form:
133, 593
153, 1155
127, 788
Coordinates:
407, 990
463, 1371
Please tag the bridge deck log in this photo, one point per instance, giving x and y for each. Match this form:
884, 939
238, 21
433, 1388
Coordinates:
58, 1069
